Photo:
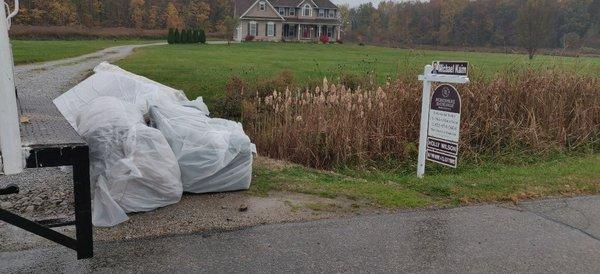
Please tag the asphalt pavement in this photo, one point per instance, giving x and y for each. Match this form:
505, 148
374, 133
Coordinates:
555, 235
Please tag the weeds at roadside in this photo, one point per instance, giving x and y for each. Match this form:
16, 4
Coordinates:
525, 113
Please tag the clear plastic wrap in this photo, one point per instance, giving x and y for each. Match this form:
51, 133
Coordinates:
214, 154
132, 167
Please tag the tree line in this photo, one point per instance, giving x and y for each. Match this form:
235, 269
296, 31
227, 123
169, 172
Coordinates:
478, 23
147, 14
499, 23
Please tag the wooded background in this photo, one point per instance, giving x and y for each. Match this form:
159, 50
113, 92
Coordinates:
546, 23
146, 14
474, 23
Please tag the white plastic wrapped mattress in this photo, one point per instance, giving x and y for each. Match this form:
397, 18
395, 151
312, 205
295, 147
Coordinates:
112, 81
132, 167
214, 154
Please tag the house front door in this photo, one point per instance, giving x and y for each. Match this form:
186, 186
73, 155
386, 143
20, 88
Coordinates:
305, 32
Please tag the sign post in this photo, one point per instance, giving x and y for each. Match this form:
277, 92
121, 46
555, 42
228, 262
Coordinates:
10, 136
440, 114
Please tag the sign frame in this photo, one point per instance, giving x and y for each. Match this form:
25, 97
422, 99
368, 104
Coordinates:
428, 78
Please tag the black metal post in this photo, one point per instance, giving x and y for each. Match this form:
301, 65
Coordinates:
37, 229
83, 208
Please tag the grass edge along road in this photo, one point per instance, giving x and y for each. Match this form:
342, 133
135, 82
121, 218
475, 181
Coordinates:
559, 175
33, 51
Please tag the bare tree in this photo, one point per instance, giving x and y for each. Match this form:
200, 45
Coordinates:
535, 24
230, 24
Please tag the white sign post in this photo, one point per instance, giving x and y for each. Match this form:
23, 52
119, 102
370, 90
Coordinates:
10, 137
430, 75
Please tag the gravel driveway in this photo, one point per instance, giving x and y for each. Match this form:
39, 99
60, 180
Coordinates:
47, 192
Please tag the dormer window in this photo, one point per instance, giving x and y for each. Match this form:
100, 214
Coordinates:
331, 14
292, 11
321, 13
262, 5
306, 10
282, 11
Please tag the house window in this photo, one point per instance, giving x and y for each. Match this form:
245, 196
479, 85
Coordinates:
253, 29
270, 29
292, 11
282, 11
329, 31
321, 13
306, 10
331, 13
262, 5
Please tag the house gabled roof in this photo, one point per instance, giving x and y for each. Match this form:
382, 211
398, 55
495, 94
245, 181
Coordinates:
303, 1
243, 6
285, 3
326, 4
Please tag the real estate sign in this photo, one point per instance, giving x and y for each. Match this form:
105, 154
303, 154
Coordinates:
444, 126
440, 113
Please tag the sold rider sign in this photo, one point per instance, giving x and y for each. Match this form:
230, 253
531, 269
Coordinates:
444, 126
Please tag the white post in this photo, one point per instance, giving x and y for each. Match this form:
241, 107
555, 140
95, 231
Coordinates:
338, 30
238, 33
298, 32
426, 97
10, 138
427, 79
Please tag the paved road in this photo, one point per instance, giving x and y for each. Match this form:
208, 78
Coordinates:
560, 235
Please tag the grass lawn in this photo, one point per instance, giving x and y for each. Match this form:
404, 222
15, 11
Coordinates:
562, 175
203, 70
30, 51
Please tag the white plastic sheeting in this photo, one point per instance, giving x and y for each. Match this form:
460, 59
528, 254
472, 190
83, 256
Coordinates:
132, 167
174, 95
112, 81
214, 154
139, 168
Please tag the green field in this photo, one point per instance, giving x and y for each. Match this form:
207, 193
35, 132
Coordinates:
31, 51
203, 70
